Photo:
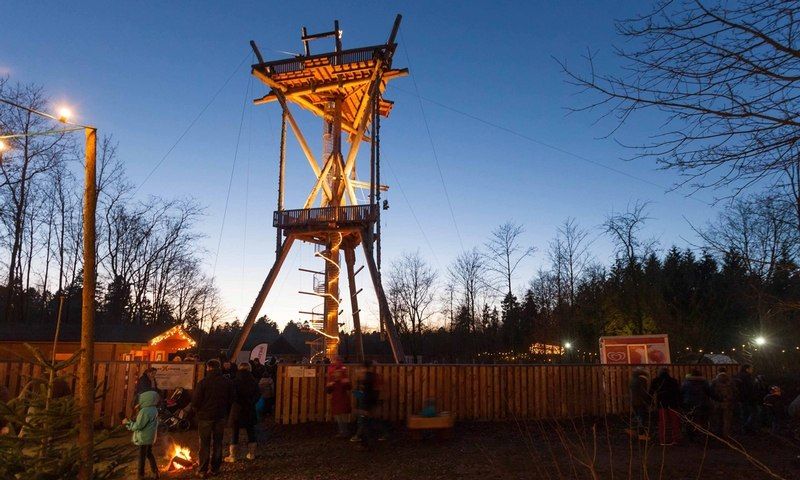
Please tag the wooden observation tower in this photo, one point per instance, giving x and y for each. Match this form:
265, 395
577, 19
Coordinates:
344, 88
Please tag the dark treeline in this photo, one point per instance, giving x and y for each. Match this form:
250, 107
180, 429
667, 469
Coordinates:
741, 282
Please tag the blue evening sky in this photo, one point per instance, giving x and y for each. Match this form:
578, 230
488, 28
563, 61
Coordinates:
142, 71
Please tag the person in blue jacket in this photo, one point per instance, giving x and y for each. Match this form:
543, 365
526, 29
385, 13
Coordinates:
144, 429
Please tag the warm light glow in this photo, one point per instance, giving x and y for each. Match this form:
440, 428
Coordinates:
179, 451
760, 341
64, 114
567, 345
3, 146
176, 330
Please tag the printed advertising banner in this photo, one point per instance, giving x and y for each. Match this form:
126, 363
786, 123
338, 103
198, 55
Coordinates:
170, 376
635, 350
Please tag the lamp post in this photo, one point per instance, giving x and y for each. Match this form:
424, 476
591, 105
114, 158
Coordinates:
85, 390
86, 365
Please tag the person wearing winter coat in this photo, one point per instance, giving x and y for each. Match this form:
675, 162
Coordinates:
212, 401
145, 430
747, 398
367, 397
666, 393
640, 402
266, 386
146, 383
696, 393
775, 409
724, 393
243, 412
338, 387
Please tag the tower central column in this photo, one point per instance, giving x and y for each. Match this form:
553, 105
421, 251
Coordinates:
332, 267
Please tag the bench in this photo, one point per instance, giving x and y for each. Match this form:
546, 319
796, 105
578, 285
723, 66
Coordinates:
442, 424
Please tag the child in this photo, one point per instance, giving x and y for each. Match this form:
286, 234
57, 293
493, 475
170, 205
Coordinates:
775, 409
144, 430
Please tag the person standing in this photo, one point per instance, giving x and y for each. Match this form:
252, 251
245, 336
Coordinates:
697, 395
775, 409
243, 412
145, 430
747, 398
724, 394
666, 392
146, 383
640, 403
367, 395
338, 387
212, 401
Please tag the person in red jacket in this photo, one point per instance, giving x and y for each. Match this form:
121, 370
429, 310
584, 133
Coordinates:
338, 387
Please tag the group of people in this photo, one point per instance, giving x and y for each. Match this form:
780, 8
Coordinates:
237, 396
367, 397
707, 405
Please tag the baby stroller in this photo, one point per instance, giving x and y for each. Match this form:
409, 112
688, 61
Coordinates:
172, 415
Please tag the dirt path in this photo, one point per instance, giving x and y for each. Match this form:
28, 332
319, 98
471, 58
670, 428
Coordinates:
484, 451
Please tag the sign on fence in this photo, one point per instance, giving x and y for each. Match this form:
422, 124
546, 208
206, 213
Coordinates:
301, 372
635, 349
170, 376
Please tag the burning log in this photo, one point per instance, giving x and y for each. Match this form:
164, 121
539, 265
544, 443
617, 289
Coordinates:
180, 458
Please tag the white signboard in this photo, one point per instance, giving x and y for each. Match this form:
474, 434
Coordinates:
259, 352
307, 372
170, 376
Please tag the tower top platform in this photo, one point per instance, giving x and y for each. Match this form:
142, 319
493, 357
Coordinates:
313, 81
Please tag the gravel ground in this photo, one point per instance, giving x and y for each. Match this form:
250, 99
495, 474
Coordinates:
484, 451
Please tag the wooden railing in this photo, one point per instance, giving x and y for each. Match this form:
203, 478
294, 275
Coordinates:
344, 57
310, 217
473, 392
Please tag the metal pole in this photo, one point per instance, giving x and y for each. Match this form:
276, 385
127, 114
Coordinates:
86, 365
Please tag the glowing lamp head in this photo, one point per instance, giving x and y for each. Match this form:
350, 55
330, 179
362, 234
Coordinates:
64, 114
567, 345
3, 146
760, 341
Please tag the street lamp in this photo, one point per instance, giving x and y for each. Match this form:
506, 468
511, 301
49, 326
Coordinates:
568, 345
760, 341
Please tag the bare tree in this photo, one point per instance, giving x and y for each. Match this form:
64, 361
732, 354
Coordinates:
569, 255
31, 156
412, 282
725, 78
468, 274
504, 253
624, 230
758, 230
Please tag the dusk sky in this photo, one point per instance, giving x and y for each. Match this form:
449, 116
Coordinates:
143, 71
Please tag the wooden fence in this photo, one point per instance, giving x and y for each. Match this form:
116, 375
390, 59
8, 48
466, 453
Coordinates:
470, 392
473, 392
116, 382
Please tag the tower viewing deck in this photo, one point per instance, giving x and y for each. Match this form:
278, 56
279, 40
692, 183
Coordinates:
314, 218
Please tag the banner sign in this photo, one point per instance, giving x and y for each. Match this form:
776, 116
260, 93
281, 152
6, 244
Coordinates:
170, 376
635, 350
259, 352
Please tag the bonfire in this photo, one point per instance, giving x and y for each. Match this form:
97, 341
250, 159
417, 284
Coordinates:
180, 458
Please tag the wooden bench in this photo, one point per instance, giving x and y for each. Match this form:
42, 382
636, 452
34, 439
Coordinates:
442, 424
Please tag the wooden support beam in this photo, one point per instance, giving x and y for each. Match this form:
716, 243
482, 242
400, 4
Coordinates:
278, 89
386, 314
350, 260
262, 296
332, 85
312, 197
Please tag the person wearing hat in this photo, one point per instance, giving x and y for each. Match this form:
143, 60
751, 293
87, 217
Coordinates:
146, 383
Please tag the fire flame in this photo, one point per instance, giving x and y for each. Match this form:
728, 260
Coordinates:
179, 451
